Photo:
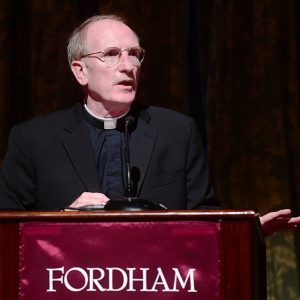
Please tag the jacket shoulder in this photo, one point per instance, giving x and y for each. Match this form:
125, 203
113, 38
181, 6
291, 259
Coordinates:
50, 122
170, 118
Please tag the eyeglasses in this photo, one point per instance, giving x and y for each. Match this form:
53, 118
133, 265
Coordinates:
111, 56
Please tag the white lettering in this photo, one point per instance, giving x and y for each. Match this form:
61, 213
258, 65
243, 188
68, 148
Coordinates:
160, 280
52, 279
111, 272
131, 279
69, 286
189, 277
115, 279
95, 281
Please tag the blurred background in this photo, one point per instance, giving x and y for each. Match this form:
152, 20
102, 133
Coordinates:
232, 65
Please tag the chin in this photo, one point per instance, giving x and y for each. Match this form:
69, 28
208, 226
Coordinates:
126, 100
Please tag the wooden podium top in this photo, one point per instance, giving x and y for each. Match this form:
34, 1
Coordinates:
126, 215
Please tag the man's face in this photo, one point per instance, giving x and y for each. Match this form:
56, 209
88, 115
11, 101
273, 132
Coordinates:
116, 84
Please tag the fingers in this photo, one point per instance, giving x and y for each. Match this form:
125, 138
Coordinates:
294, 221
283, 213
90, 199
278, 220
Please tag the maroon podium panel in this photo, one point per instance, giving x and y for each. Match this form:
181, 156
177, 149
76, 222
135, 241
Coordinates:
203, 255
120, 260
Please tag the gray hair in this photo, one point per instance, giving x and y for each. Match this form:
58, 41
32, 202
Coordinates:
76, 44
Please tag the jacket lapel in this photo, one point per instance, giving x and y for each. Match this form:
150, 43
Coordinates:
77, 145
141, 147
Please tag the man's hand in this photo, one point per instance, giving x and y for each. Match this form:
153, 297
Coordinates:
90, 199
278, 220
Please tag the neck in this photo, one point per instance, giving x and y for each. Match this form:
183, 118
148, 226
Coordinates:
111, 110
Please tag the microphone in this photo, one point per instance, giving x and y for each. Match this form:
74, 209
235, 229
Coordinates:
129, 121
130, 201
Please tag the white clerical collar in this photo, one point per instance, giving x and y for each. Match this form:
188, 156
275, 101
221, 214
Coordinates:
108, 123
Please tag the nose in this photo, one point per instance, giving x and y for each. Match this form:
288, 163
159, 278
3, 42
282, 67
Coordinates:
125, 65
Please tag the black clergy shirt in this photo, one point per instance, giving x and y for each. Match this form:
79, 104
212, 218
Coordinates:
108, 148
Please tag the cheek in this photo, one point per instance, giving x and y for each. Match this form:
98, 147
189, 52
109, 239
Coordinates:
102, 82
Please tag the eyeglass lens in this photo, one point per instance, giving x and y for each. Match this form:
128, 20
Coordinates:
112, 55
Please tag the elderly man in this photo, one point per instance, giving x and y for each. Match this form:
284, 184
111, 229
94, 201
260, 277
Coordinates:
75, 157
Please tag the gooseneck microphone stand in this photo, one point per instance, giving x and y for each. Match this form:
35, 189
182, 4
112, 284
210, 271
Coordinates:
130, 201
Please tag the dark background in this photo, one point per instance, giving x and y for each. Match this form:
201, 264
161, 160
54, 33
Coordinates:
233, 65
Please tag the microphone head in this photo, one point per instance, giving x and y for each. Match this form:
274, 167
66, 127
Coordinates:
129, 119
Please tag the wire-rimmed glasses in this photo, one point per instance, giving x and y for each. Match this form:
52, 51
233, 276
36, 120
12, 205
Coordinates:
112, 55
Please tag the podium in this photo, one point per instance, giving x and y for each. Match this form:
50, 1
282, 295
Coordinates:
204, 255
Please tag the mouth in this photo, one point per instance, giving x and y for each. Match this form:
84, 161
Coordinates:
128, 84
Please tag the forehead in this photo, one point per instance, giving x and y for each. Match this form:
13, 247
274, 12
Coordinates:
110, 33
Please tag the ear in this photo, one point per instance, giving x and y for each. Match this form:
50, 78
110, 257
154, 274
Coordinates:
79, 70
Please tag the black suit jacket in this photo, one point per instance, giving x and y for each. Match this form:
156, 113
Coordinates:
50, 161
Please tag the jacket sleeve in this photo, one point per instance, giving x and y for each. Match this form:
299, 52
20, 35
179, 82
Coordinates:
200, 194
18, 176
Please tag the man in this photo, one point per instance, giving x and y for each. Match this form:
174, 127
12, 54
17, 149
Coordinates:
75, 157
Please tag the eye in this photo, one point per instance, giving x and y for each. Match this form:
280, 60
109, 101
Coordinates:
112, 52
136, 52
